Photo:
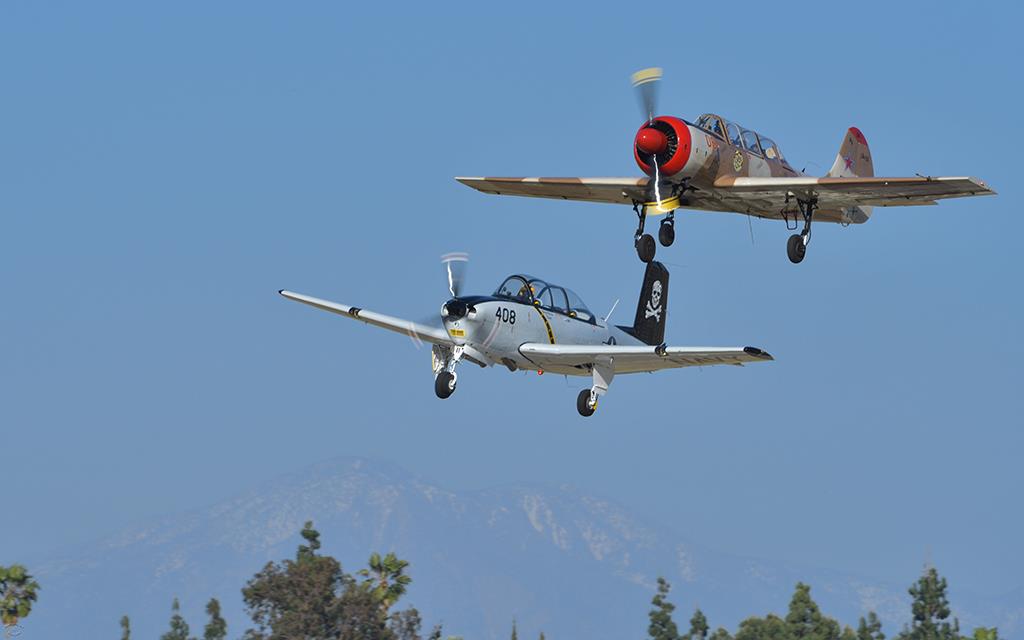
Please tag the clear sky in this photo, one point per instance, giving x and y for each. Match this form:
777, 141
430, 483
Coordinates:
165, 168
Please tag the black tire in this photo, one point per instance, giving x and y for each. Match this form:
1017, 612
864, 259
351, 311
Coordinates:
796, 249
645, 247
667, 234
583, 404
444, 384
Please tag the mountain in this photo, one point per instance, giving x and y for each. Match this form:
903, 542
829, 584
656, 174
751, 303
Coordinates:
554, 558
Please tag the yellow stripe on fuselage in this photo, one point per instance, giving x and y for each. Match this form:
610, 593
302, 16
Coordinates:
547, 325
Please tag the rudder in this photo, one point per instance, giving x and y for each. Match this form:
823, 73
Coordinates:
652, 308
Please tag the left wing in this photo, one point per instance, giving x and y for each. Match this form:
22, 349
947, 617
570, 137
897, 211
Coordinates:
633, 359
415, 330
611, 190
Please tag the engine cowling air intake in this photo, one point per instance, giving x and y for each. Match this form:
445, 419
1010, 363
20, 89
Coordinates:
662, 146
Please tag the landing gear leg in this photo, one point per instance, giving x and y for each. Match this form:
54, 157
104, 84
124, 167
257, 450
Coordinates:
586, 401
644, 242
445, 359
667, 231
796, 247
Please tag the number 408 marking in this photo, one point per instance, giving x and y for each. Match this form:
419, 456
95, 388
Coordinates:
506, 315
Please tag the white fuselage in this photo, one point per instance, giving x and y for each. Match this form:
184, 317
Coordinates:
493, 333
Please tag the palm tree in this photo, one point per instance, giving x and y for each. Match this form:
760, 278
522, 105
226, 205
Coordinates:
17, 593
386, 578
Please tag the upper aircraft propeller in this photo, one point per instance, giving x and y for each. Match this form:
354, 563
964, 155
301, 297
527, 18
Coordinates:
655, 146
646, 83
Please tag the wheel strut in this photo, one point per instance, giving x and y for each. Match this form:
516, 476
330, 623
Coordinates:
644, 242
796, 247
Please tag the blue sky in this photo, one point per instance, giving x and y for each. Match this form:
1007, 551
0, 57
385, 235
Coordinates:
166, 168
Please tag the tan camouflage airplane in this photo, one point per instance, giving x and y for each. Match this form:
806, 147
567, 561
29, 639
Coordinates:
718, 165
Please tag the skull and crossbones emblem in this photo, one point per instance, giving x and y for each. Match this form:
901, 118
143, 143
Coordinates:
654, 304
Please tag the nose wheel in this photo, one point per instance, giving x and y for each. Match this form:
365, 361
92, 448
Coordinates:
445, 359
602, 371
586, 403
444, 384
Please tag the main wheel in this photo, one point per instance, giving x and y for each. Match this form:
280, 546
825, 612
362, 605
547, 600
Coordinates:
583, 404
645, 247
795, 248
667, 233
444, 384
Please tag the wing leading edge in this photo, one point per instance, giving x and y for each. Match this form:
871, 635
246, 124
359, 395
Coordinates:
635, 359
414, 330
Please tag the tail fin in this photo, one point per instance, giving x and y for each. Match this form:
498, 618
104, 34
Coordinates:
854, 159
651, 310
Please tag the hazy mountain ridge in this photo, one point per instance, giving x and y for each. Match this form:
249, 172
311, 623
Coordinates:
553, 557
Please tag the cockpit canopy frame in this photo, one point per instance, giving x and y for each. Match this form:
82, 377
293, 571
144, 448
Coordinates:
527, 289
739, 136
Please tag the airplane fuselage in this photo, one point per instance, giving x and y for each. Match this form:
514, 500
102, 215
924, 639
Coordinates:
495, 328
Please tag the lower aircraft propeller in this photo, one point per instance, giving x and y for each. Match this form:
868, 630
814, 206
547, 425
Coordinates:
455, 268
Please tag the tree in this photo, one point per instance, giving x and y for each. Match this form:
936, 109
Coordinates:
298, 598
541, 636
870, 628
217, 627
720, 634
662, 627
805, 620
515, 633
405, 624
359, 614
386, 578
179, 628
312, 536
126, 628
985, 633
17, 593
930, 610
770, 627
698, 626
311, 597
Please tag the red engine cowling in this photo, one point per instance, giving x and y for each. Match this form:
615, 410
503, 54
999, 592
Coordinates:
665, 141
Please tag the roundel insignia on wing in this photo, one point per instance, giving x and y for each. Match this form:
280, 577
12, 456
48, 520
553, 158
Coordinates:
737, 161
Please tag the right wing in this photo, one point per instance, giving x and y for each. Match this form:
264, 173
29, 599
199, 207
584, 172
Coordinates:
414, 330
611, 190
634, 359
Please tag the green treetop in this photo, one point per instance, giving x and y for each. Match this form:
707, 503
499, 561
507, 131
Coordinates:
126, 628
805, 620
698, 627
930, 610
770, 627
217, 627
662, 627
386, 578
179, 628
17, 593
870, 628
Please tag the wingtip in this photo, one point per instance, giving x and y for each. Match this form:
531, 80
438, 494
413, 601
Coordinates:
758, 353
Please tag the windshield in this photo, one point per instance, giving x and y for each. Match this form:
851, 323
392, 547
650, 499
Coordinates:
522, 288
530, 290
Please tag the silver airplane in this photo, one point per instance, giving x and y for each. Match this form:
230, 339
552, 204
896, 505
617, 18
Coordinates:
529, 324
